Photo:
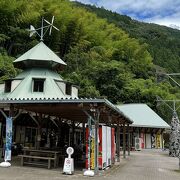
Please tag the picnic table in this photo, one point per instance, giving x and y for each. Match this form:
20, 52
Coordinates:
30, 156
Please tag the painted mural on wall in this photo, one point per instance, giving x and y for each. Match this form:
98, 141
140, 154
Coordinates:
174, 137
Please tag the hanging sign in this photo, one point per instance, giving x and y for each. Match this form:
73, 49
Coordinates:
8, 143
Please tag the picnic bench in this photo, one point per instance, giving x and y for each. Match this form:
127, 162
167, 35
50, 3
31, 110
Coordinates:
37, 157
28, 159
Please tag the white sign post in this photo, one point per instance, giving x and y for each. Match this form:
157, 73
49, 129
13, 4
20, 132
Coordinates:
69, 162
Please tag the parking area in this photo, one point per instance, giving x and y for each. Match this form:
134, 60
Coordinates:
141, 165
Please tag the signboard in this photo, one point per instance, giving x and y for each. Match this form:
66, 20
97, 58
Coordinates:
69, 151
8, 139
68, 167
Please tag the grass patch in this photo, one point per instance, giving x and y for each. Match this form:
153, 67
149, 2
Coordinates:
177, 170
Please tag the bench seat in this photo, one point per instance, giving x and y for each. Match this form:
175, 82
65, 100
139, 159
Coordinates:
36, 157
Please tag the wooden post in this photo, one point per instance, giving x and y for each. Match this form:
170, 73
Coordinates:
38, 137
124, 140
39, 131
162, 140
11, 111
84, 135
129, 147
118, 142
132, 139
73, 130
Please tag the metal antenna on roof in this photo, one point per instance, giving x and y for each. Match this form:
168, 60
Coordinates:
49, 27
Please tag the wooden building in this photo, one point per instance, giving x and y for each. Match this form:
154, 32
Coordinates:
148, 127
41, 103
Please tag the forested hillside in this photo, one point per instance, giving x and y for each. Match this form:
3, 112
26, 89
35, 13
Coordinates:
103, 59
163, 42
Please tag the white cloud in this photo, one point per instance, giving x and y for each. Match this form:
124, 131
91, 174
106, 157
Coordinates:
164, 12
166, 20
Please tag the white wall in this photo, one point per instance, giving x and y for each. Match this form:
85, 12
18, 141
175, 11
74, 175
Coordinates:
14, 84
74, 91
62, 86
148, 141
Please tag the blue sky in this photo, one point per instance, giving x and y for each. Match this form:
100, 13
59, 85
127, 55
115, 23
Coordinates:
163, 12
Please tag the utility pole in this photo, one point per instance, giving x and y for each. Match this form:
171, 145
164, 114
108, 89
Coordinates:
174, 145
170, 76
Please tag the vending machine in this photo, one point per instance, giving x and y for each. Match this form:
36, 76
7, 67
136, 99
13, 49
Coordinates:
113, 147
108, 146
102, 147
106, 142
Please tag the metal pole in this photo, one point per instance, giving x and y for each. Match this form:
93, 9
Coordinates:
39, 131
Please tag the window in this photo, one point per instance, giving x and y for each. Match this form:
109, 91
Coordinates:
38, 85
68, 89
7, 86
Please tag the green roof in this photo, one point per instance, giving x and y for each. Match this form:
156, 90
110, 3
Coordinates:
39, 54
143, 116
23, 88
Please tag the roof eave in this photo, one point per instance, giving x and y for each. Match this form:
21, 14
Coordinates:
150, 126
63, 100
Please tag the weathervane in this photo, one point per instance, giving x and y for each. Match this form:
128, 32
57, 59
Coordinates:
49, 27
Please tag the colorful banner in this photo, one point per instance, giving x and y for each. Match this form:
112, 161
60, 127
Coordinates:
92, 153
158, 141
142, 140
92, 147
8, 139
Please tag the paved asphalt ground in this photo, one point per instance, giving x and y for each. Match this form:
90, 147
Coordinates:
143, 165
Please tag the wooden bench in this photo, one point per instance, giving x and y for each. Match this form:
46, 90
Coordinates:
23, 157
